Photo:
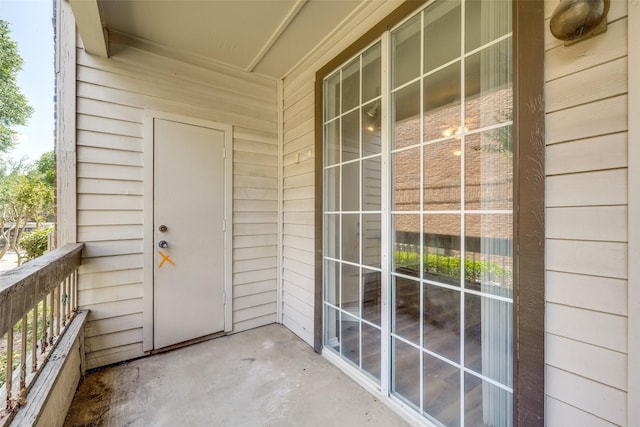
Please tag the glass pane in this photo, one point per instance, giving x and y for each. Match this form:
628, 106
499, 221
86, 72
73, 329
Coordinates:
351, 136
441, 33
332, 189
441, 181
371, 184
489, 253
332, 235
406, 180
332, 143
350, 298
488, 92
371, 131
442, 391
406, 116
351, 238
405, 50
350, 338
406, 309
331, 282
332, 96
488, 336
485, 404
442, 103
371, 242
332, 328
351, 186
371, 295
371, 73
489, 170
486, 21
406, 372
371, 351
441, 318
441, 248
406, 244
351, 85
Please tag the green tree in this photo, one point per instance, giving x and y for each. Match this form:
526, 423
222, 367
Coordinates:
14, 109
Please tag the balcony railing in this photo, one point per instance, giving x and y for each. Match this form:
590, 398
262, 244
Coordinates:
38, 301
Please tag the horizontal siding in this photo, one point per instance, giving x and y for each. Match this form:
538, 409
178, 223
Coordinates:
586, 227
112, 96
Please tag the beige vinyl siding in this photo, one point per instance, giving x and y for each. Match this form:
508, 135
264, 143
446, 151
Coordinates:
112, 96
586, 226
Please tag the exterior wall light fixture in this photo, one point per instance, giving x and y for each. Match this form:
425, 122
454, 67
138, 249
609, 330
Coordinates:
576, 20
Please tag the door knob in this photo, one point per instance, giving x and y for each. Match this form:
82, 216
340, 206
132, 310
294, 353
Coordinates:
163, 244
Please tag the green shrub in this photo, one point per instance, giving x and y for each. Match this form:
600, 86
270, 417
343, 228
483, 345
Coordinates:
35, 242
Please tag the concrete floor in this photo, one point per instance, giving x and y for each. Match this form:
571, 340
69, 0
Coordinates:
263, 377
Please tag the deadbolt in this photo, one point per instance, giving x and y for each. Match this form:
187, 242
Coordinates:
163, 228
163, 244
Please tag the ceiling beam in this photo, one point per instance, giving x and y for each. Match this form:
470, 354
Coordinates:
92, 31
276, 34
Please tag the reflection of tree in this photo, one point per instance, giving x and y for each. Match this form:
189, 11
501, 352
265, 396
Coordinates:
501, 137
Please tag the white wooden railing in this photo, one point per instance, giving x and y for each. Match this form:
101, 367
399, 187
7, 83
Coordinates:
38, 301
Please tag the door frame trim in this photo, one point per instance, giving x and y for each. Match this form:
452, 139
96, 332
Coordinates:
148, 218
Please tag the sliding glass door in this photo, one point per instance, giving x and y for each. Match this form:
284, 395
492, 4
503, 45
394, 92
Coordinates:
418, 208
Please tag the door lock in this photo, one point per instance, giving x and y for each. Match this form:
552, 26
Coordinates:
163, 244
163, 228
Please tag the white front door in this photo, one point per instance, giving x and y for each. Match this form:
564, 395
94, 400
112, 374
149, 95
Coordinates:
189, 194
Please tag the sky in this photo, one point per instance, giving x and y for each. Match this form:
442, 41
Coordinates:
30, 22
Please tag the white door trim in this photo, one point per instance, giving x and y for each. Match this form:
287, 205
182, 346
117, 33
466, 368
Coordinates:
148, 217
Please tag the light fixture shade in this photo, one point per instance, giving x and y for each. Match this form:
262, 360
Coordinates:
573, 20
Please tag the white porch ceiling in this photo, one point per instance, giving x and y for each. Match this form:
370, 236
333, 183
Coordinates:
267, 37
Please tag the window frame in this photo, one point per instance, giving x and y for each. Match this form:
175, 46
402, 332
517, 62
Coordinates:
528, 197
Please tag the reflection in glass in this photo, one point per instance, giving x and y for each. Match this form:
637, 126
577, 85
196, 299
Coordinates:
350, 298
332, 328
350, 330
485, 404
406, 372
351, 186
372, 184
442, 391
441, 318
332, 96
371, 129
442, 104
405, 48
406, 181
371, 73
351, 237
332, 235
371, 351
489, 338
489, 170
489, 253
486, 21
371, 295
332, 143
406, 244
331, 282
441, 33
406, 116
332, 189
441, 180
488, 92
441, 248
371, 240
406, 309
351, 136
351, 85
